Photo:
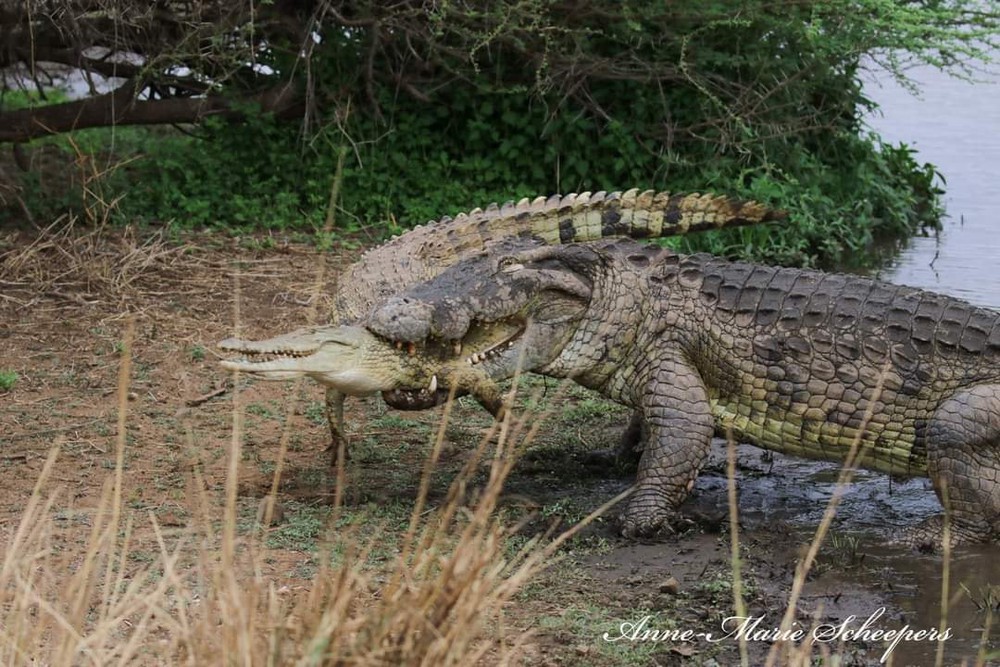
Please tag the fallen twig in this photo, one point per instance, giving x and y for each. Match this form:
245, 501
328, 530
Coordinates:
218, 391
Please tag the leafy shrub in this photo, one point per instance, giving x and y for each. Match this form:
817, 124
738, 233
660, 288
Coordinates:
731, 97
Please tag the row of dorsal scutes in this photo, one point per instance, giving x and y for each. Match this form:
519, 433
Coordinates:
640, 214
541, 216
645, 213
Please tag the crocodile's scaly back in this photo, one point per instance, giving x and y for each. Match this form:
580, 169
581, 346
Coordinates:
422, 253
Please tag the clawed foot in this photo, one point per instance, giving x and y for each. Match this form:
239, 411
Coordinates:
647, 514
928, 536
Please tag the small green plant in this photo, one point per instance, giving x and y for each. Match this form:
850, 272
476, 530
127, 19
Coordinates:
845, 550
197, 353
8, 379
259, 410
315, 412
302, 528
258, 243
987, 599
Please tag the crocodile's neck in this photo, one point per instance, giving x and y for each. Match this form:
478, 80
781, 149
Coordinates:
605, 353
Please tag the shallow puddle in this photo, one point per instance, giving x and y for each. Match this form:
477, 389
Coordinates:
779, 493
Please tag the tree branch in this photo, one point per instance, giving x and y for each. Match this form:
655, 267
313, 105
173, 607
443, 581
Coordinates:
120, 107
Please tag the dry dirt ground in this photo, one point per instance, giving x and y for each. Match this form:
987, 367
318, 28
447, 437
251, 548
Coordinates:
66, 302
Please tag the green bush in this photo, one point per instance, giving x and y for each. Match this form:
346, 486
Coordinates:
843, 195
728, 96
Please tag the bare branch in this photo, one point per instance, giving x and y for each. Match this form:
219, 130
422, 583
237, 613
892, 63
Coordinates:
121, 107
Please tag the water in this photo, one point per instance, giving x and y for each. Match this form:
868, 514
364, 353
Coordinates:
775, 489
954, 125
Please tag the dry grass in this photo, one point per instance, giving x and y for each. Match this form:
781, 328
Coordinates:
86, 264
81, 257
203, 600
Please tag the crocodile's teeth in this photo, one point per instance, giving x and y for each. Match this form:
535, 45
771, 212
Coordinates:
399, 345
457, 348
411, 349
434, 384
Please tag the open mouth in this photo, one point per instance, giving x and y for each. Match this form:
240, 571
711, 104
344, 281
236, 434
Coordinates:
495, 350
243, 354
478, 335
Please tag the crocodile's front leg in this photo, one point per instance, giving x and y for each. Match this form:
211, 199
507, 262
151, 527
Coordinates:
335, 417
677, 414
963, 461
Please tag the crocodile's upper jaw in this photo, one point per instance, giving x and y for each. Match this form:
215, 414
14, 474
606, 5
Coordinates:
349, 359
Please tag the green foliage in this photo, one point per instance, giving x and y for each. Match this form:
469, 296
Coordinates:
8, 379
302, 528
841, 209
315, 412
514, 99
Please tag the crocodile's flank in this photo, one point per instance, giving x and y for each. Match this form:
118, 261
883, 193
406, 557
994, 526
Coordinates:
792, 360
422, 253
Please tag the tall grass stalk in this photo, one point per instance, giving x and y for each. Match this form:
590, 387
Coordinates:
739, 605
802, 654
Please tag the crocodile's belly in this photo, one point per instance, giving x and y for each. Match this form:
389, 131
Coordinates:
889, 441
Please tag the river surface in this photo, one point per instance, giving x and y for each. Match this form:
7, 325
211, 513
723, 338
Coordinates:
954, 125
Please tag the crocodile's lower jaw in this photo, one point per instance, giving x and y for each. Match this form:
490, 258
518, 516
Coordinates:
352, 382
494, 351
247, 367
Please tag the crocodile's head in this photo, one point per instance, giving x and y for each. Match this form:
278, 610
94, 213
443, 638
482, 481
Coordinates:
349, 359
512, 308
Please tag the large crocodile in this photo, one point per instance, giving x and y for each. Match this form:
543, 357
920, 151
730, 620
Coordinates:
425, 251
793, 360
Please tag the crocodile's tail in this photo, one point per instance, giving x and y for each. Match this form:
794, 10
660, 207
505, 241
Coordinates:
589, 217
426, 250
649, 214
